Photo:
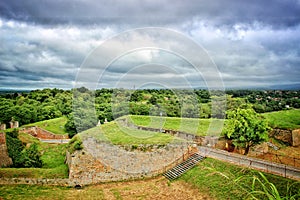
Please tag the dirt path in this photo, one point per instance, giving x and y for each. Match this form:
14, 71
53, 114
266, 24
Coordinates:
157, 188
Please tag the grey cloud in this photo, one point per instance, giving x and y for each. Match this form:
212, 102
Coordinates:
152, 12
42, 44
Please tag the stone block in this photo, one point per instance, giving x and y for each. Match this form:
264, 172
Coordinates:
296, 137
282, 135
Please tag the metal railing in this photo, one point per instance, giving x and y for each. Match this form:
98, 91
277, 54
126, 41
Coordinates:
255, 163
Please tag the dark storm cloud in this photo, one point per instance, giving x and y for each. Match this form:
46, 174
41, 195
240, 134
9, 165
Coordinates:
44, 42
152, 12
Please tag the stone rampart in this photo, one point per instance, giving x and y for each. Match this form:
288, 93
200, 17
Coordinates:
103, 162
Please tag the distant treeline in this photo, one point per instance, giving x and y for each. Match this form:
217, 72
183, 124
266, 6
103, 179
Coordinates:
38, 105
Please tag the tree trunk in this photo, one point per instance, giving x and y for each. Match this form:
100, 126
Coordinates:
247, 150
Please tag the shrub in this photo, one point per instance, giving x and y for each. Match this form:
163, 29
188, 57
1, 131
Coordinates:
21, 156
75, 144
32, 157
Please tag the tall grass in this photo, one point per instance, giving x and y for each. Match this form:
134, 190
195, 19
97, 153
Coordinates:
262, 188
226, 181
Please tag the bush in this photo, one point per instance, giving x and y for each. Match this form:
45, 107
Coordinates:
32, 157
75, 144
14, 148
20, 156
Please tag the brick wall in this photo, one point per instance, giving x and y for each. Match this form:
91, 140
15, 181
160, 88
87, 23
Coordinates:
42, 133
5, 160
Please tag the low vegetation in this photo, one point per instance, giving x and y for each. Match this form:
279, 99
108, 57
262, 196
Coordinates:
21, 155
52, 157
75, 144
286, 119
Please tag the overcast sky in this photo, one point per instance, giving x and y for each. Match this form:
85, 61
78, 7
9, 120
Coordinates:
44, 43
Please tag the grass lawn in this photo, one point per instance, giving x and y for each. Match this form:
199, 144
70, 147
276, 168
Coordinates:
53, 157
56, 125
47, 192
286, 119
219, 180
189, 125
122, 135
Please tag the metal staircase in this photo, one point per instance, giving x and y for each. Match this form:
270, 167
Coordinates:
183, 167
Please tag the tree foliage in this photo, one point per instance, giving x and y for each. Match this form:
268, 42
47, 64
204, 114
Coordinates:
246, 128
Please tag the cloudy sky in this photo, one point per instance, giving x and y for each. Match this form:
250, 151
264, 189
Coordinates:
52, 43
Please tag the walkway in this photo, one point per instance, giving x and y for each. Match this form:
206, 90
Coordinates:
56, 141
258, 164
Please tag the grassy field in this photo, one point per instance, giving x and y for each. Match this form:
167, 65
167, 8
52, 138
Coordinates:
189, 125
286, 119
56, 125
122, 135
53, 156
157, 188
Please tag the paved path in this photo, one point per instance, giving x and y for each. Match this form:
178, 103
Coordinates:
258, 164
56, 141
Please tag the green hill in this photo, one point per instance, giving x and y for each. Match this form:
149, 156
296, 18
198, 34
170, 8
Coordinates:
56, 125
123, 135
286, 119
188, 125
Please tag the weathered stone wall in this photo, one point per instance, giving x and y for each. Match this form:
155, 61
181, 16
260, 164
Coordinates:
282, 135
34, 181
42, 134
5, 160
102, 162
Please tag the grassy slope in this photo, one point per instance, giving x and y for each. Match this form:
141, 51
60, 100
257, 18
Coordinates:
286, 119
189, 125
56, 125
53, 156
123, 135
218, 179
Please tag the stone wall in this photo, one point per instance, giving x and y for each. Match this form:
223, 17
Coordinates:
34, 181
102, 162
291, 137
296, 137
5, 160
42, 133
282, 135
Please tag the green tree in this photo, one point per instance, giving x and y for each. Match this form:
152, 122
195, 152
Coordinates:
70, 126
246, 128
